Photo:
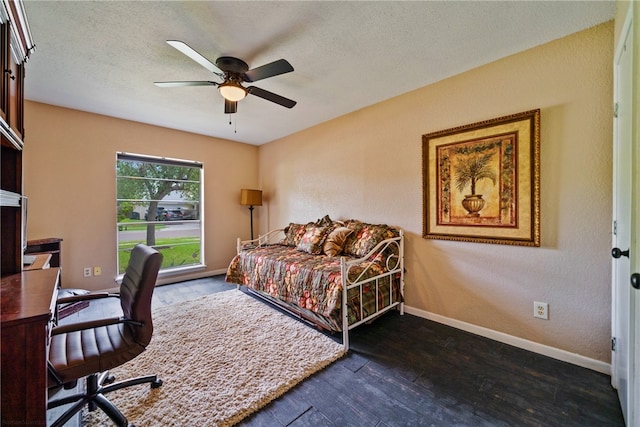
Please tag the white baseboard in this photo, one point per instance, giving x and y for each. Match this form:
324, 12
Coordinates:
556, 353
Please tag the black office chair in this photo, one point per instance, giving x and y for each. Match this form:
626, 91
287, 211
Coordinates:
89, 349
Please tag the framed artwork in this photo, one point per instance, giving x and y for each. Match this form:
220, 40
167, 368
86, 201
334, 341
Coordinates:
481, 182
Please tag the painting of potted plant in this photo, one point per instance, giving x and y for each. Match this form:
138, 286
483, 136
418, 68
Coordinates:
481, 181
468, 171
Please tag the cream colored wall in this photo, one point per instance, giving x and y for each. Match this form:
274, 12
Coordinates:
69, 177
367, 165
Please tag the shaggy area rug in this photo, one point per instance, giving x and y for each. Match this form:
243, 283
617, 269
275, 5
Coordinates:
221, 357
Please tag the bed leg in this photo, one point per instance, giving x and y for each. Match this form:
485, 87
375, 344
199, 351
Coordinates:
344, 310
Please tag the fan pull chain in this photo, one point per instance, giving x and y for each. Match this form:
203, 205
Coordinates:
234, 123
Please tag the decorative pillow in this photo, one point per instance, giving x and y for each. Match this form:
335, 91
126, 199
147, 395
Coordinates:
350, 244
325, 221
365, 237
293, 234
312, 240
335, 241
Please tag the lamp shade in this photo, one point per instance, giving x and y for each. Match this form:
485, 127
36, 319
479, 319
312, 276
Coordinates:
232, 91
250, 197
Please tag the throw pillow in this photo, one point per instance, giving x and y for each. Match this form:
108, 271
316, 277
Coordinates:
312, 240
351, 244
325, 221
365, 237
293, 234
335, 241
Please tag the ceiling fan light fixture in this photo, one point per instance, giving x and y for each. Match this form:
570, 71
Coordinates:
232, 91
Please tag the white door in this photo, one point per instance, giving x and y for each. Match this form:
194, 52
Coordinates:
623, 310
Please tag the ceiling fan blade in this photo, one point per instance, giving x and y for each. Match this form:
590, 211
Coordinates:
230, 107
274, 68
270, 96
185, 83
191, 53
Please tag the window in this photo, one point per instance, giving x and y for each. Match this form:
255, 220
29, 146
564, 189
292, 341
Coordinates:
159, 203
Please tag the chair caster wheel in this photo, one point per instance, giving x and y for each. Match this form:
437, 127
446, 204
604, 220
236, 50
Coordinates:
157, 383
109, 379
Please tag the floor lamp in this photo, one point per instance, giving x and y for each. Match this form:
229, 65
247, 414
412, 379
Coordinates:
251, 198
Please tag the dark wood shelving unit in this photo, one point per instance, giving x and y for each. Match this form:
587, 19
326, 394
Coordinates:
27, 297
16, 46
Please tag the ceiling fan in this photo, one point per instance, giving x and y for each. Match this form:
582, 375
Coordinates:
234, 72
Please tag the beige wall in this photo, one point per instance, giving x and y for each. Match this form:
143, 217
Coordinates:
367, 165
69, 177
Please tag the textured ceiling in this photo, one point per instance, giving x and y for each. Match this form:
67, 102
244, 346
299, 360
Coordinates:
103, 56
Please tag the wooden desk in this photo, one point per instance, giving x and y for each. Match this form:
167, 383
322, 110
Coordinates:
28, 306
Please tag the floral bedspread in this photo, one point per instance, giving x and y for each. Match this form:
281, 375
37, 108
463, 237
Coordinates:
310, 284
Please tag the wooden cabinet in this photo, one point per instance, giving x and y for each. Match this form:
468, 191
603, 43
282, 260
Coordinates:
5, 51
28, 308
12, 102
15, 47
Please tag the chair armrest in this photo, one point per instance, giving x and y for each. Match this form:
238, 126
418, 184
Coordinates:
80, 326
91, 324
85, 297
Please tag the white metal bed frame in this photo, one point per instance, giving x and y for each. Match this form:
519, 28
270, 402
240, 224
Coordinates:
395, 267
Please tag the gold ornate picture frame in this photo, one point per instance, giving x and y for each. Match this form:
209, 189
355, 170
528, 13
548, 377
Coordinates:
481, 182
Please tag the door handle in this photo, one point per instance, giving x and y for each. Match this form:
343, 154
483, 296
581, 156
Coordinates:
617, 253
635, 280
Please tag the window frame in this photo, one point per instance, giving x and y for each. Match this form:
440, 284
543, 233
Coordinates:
168, 270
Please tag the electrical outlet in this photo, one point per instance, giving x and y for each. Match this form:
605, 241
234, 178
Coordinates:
97, 271
87, 272
541, 310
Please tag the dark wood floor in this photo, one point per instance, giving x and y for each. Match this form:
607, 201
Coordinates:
405, 370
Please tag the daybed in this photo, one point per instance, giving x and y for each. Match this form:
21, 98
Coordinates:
334, 274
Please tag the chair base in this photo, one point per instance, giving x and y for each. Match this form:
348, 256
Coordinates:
97, 386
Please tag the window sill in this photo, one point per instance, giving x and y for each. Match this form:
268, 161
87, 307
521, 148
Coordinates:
176, 271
